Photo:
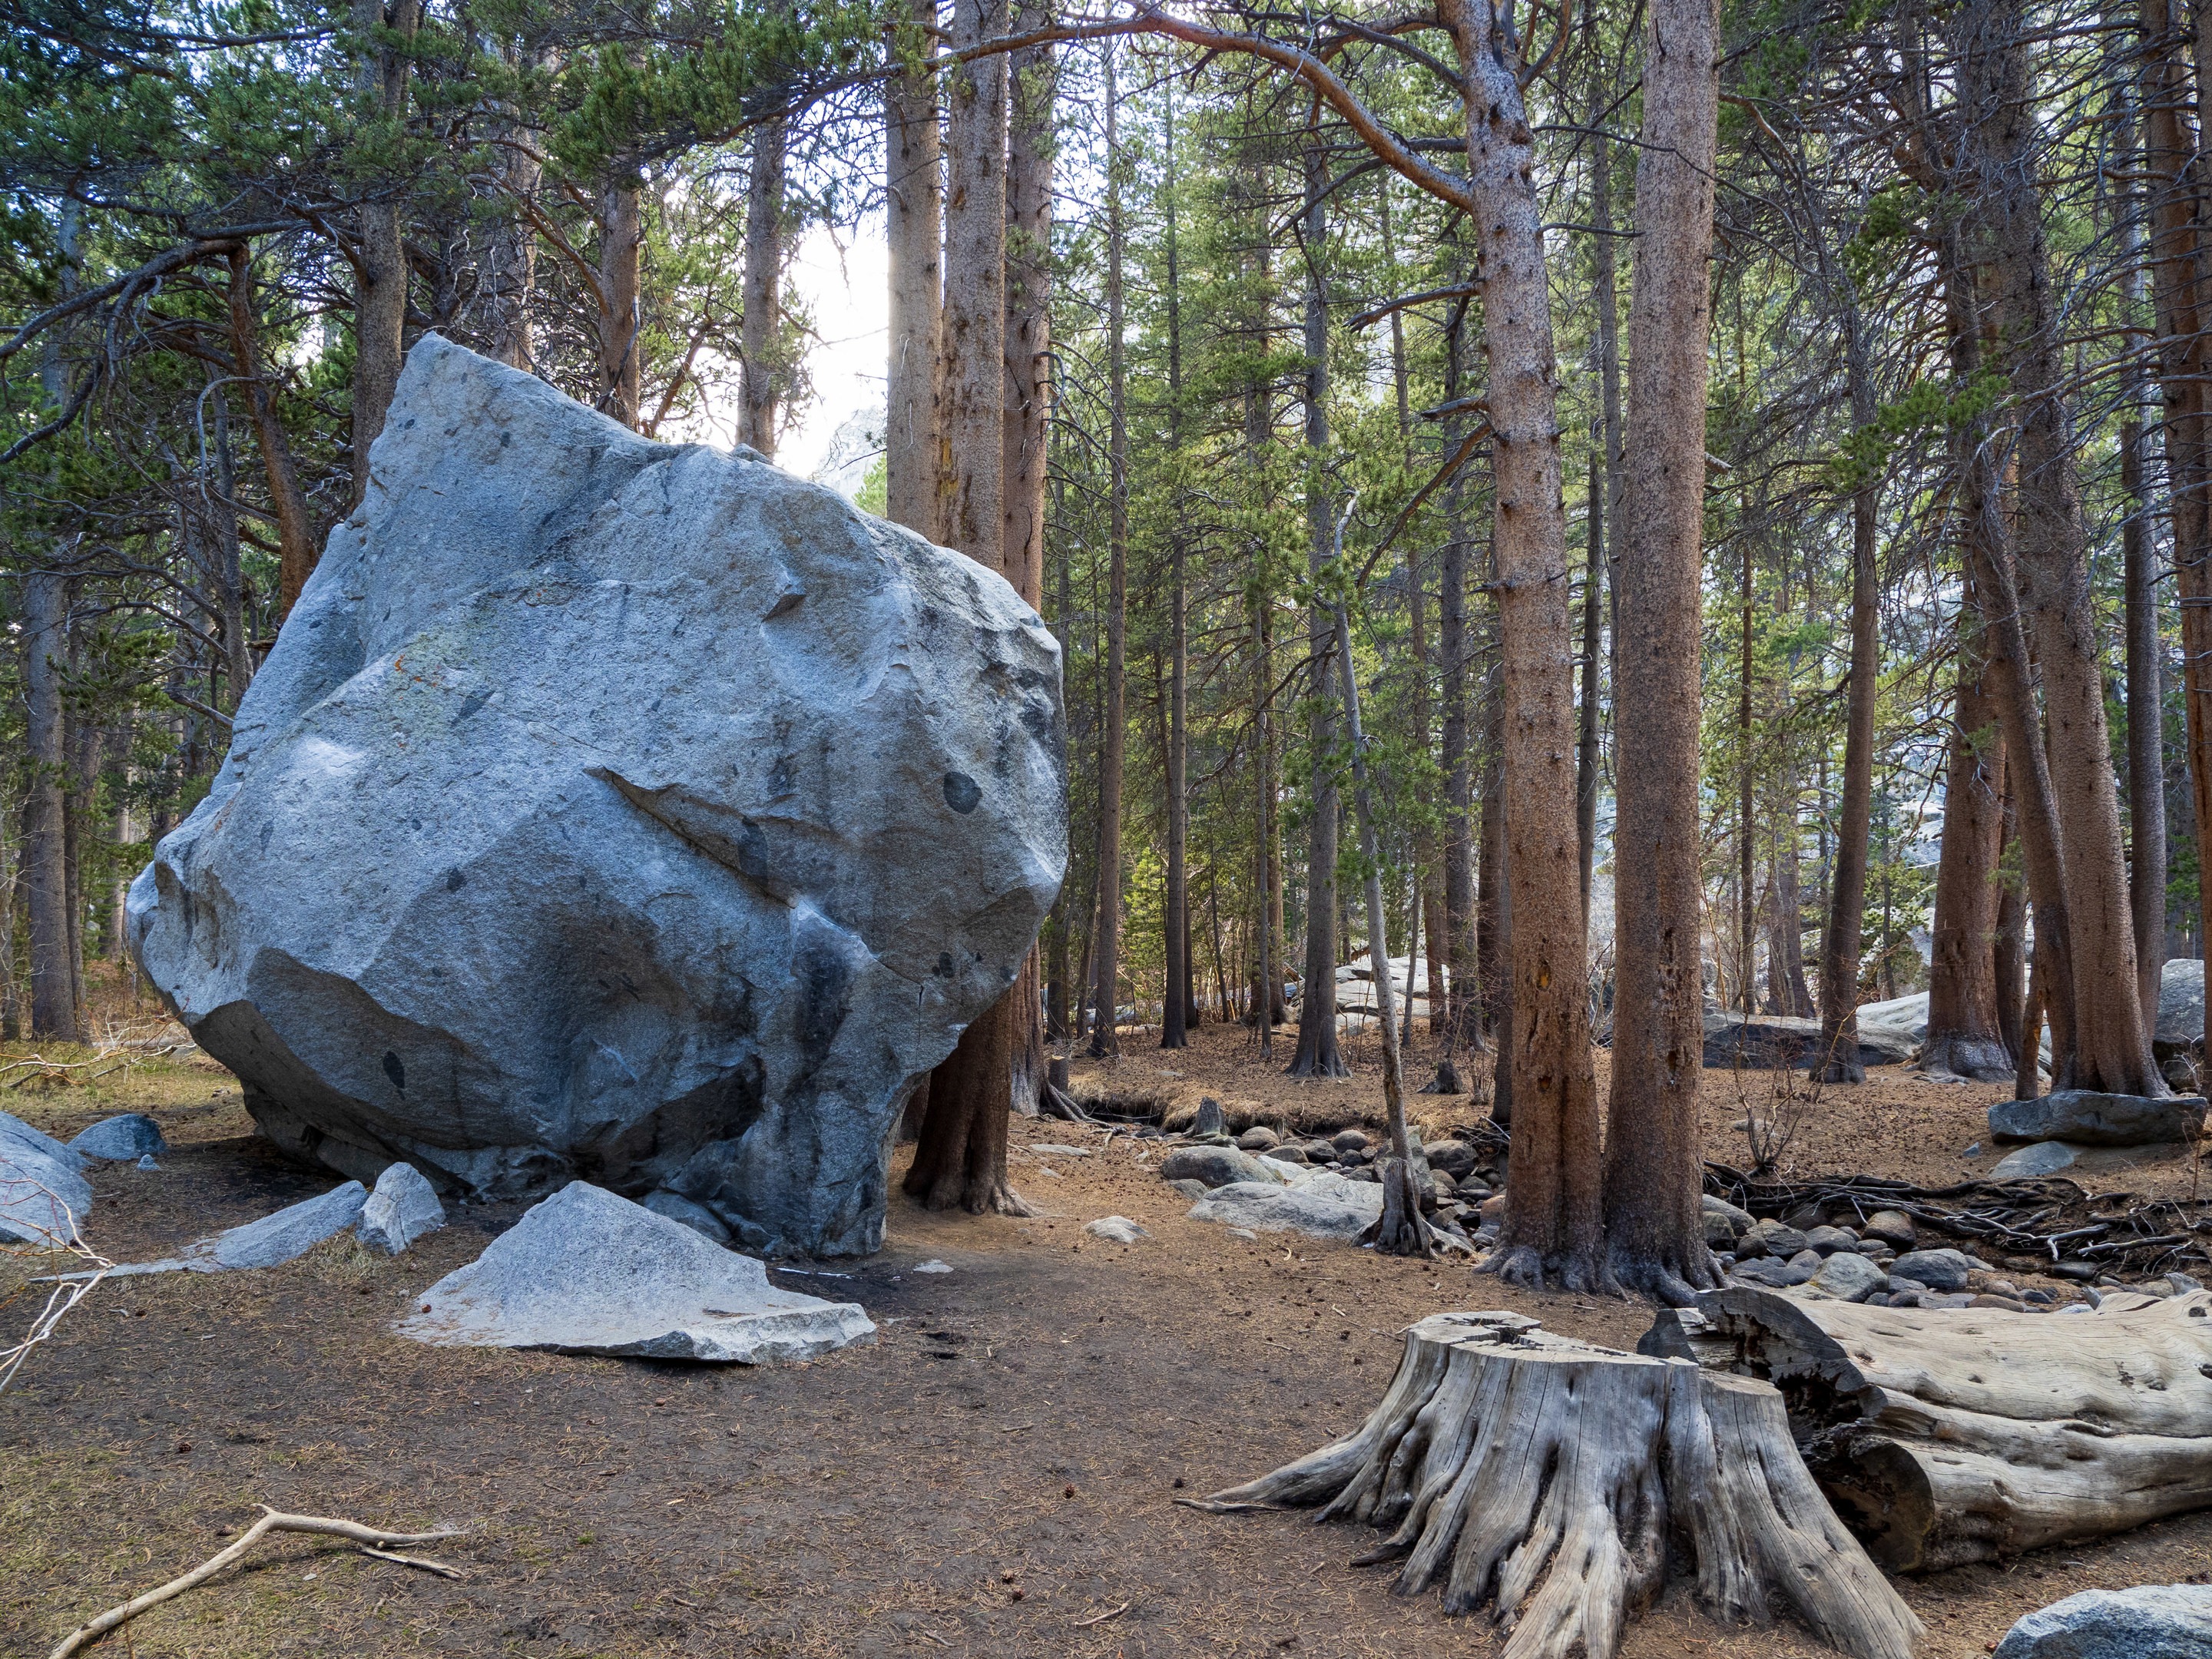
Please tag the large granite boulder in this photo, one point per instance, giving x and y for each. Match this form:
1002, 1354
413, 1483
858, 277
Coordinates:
616, 810
2153, 1621
43, 1196
2088, 1118
2181, 1009
1766, 1042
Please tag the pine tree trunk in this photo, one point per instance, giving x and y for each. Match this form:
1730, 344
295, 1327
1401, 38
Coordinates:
379, 253
962, 1153
1654, 1234
1316, 1055
760, 395
1178, 996
296, 537
1586, 748
2111, 1048
54, 1012
621, 235
1467, 973
1551, 1224
1030, 90
913, 229
1106, 988
1964, 1034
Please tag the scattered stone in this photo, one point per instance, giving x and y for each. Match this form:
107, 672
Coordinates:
2038, 1297
1245, 1232
1947, 1299
1808, 1259
42, 1192
1991, 1299
1774, 1238
1349, 1140
268, 1242
148, 1163
1259, 1138
1342, 1210
1939, 1270
403, 1207
1777, 1275
1891, 1227
763, 799
1050, 1150
1191, 1188
1209, 1121
2153, 1621
1713, 1206
1455, 1158
2181, 1009
697, 1216
123, 1139
1829, 1240
1848, 1276
1974, 1151
1355, 1157
1217, 1166
1720, 1231
2088, 1118
932, 1265
1119, 1228
2181, 1284
1288, 1154
587, 1271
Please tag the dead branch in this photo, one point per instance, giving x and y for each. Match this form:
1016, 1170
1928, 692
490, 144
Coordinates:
374, 1542
65, 1295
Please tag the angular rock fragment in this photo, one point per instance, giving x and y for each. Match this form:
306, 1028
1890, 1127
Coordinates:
2152, 1621
1119, 1228
588, 1272
121, 1139
404, 1207
43, 1196
614, 809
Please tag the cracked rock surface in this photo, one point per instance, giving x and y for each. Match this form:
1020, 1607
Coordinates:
617, 811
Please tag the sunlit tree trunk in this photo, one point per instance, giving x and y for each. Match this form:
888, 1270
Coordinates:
914, 217
760, 394
379, 252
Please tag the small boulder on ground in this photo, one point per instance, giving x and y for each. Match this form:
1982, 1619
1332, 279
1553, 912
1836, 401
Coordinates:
1328, 1206
2153, 1621
1455, 1158
403, 1207
2040, 1157
2089, 1118
1292, 1153
1847, 1277
1259, 1138
121, 1139
587, 1271
1944, 1270
1892, 1227
1765, 1270
1217, 1166
1772, 1238
1349, 1140
1829, 1240
42, 1188
1119, 1228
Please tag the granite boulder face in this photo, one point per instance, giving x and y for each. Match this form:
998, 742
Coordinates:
618, 811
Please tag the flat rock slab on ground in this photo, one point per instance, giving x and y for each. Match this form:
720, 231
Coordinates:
587, 1271
2088, 1118
403, 1207
1217, 1166
1118, 1228
123, 1139
2153, 1621
1325, 1206
42, 1186
761, 799
2043, 1158
268, 1242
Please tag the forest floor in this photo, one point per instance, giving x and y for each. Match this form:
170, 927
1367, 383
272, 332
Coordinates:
995, 1475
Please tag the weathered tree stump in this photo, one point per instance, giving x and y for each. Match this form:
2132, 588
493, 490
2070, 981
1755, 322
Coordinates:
1955, 1435
1552, 1480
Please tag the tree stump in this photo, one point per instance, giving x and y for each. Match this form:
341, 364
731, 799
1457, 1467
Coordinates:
1945, 1436
1555, 1482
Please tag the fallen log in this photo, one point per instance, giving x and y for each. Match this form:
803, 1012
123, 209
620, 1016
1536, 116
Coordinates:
1947, 1435
1549, 1478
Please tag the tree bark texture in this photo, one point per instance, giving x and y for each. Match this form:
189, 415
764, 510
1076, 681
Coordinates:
1551, 1222
1944, 1438
54, 1011
1114, 739
1654, 1234
1029, 300
1963, 1035
296, 552
2111, 1046
1549, 1479
914, 219
760, 394
1179, 999
379, 253
622, 237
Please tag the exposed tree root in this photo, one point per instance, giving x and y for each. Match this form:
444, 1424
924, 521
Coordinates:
1400, 1230
1548, 1480
372, 1541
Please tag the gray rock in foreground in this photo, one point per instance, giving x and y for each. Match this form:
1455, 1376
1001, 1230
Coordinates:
1328, 1206
1939, 1270
289, 1234
123, 1139
2154, 1621
404, 1207
2040, 1157
614, 809
1216, 1166
43, 1191
587, 1271
2088, 1118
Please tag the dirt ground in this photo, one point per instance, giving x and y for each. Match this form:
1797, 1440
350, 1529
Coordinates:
995, 1475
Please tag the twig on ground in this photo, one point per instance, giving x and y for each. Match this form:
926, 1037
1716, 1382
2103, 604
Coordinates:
373, 1541
1111, 1612
64, 1296
442, 1569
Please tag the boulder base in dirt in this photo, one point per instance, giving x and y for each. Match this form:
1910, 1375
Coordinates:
42, 1186
2087, 1118
2153, 1621
615, 809
587, 1271
403, 1207
1217, 1166
123, 1139
1118, 1228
